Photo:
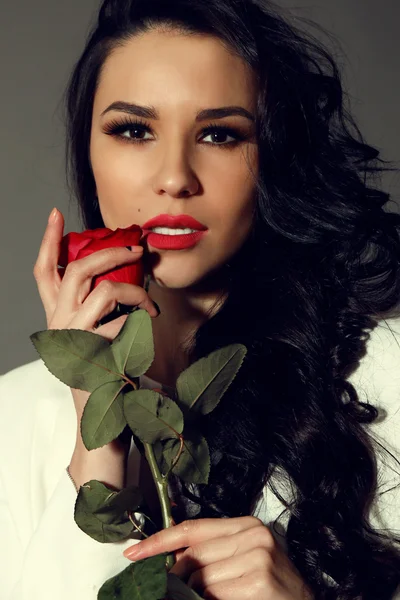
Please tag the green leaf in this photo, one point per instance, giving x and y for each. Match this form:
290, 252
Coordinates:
119, 503
78, 358
152, 416
178, 590
142, 580
133, 348
193, 465
103, 417
201, 386
101, 526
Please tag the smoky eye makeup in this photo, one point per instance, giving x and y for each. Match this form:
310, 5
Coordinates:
118, 127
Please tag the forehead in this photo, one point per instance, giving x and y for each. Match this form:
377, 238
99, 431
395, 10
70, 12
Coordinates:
168, 67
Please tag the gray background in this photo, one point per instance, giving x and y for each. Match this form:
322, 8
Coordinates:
39, 43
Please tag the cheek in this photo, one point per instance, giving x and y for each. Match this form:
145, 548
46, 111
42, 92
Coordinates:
112, 175
118, 186
236, 188
113, 165
235, 211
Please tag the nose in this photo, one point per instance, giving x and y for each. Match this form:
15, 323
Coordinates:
176, 176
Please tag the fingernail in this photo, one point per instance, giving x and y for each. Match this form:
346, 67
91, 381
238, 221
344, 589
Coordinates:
157, 307
132, 552
53, 216
135, 248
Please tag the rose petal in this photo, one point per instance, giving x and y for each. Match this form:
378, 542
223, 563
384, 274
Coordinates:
75, 246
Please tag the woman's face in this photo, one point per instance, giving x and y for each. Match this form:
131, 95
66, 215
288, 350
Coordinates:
172, 165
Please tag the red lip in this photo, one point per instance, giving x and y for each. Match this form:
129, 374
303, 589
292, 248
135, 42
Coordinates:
178, 222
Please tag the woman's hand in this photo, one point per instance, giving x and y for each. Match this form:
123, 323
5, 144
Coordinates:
66, 296
69, 304
227, 559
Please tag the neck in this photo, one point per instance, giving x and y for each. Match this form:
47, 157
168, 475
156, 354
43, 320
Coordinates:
183, 311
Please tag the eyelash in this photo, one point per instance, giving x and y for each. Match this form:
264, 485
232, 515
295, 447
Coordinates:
116, 128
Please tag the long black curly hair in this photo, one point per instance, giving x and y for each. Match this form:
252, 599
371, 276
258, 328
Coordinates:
321, 264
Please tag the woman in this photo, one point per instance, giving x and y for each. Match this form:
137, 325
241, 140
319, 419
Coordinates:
223, 111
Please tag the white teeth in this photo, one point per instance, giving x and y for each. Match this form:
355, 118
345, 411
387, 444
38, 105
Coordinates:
168, 231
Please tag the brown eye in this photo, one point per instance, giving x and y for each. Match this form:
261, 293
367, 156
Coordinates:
118, 128
133, 131
219, 135
136, 128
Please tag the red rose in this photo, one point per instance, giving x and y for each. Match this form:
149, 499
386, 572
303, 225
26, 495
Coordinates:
78, 245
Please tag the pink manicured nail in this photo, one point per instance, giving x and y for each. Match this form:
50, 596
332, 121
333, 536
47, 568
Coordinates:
132, 552
53, 216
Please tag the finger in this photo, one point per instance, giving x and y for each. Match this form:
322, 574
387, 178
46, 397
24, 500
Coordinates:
248, 587
223, 548
230, 568
77, 281
189, 533
178, 553
104, 299
45, 269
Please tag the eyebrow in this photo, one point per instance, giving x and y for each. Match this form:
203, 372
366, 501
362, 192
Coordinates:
149, 112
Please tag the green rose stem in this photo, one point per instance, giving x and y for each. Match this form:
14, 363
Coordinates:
161, 481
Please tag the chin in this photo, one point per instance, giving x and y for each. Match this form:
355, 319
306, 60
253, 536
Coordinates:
173, 281
175, 272
187, 277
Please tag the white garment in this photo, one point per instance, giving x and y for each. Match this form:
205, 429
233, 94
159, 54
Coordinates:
43, 553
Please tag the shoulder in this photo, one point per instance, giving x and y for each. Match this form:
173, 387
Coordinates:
377, 381
37, 423
37, 415
382, 356
33, 403
35, 372
29, 388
